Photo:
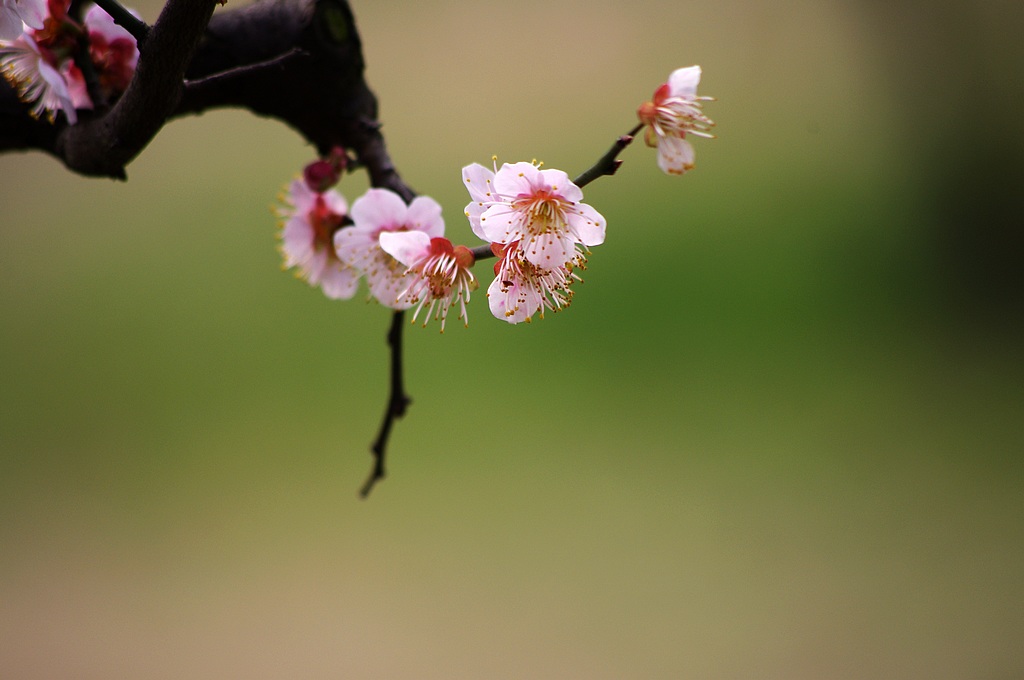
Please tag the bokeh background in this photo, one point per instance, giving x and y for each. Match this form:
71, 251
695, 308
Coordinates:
777, 435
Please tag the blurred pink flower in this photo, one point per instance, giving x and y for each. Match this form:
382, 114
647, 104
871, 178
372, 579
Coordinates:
376, 212
14, 12
38, 81
675, 111
309, 222
112, 50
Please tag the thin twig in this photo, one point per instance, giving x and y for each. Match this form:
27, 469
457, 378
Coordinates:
397, 403
608, 163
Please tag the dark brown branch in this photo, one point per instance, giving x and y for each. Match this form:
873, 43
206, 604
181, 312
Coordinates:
610, 162
299, 61
103, 146
398, 401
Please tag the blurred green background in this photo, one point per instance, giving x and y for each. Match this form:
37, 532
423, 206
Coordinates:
777, 435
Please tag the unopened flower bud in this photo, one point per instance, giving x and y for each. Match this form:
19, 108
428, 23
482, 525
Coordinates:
321, 176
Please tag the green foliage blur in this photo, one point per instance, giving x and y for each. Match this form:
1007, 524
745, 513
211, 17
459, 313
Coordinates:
778, 433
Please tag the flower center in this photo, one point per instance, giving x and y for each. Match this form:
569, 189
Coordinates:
542, 211
324, 222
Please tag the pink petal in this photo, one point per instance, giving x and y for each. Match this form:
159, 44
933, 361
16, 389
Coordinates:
517, 179
560, 184
549, 251
297, 241
497, 224
588, 225
424, 214
408, 247
478, 181
336, 202
339, 282
378, 209
301, 196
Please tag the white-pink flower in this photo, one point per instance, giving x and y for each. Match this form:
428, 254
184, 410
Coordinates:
521, 289
38, 82
14, 12
113, 51
310, 220
376, 212
674, 112
541, 210
437, 273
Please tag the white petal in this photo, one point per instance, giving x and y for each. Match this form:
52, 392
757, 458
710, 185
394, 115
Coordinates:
675, 155
683, 82
473, 212
11, 25
514, 305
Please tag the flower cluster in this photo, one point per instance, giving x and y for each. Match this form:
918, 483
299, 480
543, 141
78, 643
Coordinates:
533, 219
399, 249
39, 46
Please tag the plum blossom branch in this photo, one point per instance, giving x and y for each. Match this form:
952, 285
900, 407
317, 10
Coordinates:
609, 163
104, 145
398, 402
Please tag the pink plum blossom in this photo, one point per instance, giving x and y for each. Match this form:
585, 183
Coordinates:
38, 81
521, 289
674, 112
112, 50
437, 273
310, 220
379, 211
15, 15
541, 210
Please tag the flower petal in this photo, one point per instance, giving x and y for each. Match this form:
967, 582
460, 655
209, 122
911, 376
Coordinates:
408, 247
587, 225
378, 209
683, 82
339, 281
675, 155
424, 214
512, 303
